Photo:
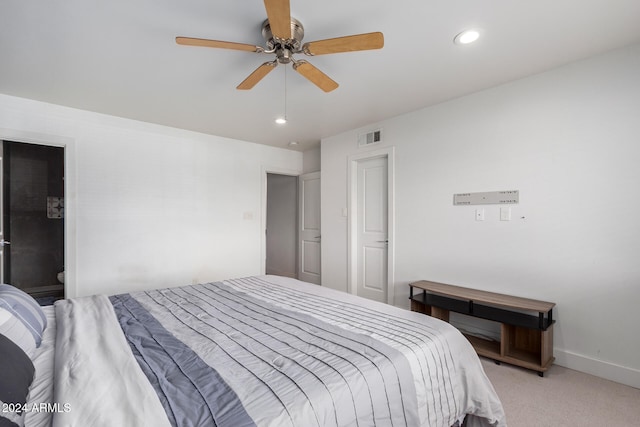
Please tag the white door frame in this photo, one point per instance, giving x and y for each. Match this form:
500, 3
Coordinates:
352, 228
70, 282
263, 210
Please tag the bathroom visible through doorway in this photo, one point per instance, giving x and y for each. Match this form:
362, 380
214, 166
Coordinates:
32, 218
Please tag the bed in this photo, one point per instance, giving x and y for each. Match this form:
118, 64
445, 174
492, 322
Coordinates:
262, 350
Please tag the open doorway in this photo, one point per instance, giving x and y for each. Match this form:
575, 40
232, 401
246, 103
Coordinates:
292, 226
282, 225
32, 220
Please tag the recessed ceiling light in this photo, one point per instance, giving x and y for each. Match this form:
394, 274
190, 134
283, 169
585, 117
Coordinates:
466, 37
293, 143
281, 120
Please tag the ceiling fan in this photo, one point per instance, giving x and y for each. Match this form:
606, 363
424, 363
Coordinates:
283, 36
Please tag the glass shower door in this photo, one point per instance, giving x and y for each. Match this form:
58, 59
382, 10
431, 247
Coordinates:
4, 242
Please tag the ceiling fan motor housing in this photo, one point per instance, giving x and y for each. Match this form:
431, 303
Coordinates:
284, 48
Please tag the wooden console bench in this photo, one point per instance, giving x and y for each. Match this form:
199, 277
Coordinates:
526, 339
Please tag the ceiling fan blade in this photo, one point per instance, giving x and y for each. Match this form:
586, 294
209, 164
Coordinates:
357, 42
190, 41
315, 76
257, 75
279, 15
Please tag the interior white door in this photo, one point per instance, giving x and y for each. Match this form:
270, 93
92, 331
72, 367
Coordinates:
309, 228
372, 225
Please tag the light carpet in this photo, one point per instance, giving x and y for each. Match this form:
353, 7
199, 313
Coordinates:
564, 397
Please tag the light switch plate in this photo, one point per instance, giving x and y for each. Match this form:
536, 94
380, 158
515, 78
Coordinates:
480, 214
505, 214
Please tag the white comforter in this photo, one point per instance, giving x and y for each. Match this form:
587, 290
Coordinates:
100, 382
97, 377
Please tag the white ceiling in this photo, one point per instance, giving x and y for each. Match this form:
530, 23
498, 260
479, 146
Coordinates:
119, 57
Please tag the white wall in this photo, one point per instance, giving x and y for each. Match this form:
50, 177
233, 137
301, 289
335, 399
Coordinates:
150, 206
311, 160
569, 140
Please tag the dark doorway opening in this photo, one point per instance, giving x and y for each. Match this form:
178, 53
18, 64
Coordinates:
32, 223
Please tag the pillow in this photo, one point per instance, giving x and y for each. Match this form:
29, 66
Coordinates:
21, 318
16, 375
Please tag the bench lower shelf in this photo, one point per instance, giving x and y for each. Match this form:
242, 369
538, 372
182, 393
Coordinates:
522, 358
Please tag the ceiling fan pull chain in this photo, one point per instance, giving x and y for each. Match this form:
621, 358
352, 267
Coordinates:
285, 93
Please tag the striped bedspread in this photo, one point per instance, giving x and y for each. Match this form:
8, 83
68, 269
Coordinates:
270, 351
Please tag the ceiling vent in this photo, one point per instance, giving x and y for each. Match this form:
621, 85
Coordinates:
370, 138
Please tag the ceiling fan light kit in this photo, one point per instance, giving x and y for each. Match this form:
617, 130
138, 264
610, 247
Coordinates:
283, 35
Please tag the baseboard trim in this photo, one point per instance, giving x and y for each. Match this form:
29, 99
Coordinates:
577, 362
599, 368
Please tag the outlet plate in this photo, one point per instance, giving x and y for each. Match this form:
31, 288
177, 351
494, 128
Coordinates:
505, 214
